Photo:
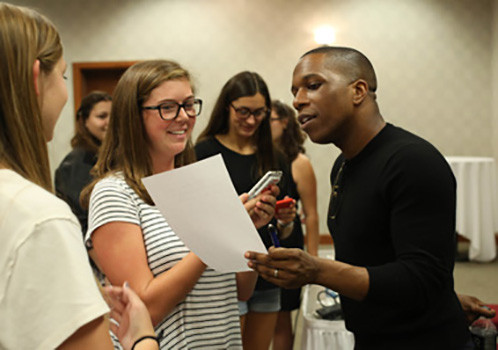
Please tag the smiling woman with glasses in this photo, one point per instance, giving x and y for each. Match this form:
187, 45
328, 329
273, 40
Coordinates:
131, 239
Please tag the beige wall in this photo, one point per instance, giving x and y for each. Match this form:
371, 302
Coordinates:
494, 74
433, 57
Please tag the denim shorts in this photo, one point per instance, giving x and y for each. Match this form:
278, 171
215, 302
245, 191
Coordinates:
261, 301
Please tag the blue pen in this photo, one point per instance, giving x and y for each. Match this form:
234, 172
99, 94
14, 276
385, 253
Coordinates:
273, 235
331, 293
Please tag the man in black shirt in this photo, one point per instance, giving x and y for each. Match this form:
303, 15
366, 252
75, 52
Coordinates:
391, 214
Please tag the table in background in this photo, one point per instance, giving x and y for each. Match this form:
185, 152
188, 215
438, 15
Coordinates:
320, 334
477, 204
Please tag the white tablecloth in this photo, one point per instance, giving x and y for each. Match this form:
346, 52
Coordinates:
477, 206
318, 333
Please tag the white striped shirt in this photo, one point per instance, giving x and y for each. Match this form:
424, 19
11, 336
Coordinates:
208, 318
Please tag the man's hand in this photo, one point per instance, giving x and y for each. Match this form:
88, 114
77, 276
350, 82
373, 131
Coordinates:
288, 268
474, 308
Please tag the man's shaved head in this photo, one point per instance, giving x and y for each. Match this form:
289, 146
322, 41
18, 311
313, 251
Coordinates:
350, 62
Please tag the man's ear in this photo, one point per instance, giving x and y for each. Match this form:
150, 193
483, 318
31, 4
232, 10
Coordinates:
360, 91
36, 76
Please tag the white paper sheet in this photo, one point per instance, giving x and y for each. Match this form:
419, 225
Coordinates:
201, 205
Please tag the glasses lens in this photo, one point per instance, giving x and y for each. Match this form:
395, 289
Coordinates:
193, 108
259, 113
168, 110
242, 113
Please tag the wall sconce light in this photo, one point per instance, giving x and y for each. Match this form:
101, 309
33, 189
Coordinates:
324, 35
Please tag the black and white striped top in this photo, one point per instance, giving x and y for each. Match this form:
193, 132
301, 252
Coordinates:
208, 318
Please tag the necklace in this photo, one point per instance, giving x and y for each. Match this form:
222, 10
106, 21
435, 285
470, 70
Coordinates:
334, 201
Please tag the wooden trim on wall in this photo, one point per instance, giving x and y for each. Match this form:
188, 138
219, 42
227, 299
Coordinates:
461, 238
83, 72
325, 238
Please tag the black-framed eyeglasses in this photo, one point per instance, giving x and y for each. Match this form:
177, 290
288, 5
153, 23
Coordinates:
169, 110
244, 112
336, 187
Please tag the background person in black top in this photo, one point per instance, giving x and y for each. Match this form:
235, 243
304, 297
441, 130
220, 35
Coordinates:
289, 139
73, 173
391, 214
239, 130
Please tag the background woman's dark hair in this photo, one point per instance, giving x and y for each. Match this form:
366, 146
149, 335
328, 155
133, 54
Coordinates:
83, 137
242, 85
293, 137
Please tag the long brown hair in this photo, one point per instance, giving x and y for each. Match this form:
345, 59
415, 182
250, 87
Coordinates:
25, 36
293, 137
125, 146
241, 85
83, 137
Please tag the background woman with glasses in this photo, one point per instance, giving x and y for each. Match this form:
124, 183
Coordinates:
239, 129
153, 113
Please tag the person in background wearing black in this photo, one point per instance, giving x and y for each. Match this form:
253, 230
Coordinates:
289, 138
73, 173
239, 130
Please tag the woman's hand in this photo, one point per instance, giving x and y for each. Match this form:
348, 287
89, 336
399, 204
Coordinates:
288, 214
130, 319
285, 219
262, 207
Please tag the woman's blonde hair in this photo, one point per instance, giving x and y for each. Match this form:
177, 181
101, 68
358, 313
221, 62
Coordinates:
25, 36
125, 146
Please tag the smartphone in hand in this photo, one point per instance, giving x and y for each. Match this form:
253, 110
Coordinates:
272, 177
283, 203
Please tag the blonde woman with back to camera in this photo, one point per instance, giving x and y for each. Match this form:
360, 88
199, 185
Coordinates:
48, 296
